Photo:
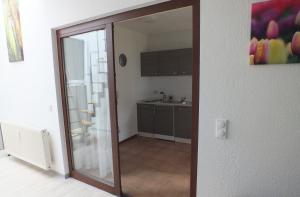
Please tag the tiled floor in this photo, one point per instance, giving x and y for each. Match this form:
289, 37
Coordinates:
18, 179
155, 168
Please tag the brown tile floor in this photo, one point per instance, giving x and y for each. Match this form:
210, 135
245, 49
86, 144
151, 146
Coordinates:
155, 168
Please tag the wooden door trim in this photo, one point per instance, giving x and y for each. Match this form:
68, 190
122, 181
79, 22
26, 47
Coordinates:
113, 107
195, 97
99, 22
88, 180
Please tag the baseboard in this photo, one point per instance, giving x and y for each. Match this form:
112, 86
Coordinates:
127, 139
64, 175
143, 134
164, 137
183, 140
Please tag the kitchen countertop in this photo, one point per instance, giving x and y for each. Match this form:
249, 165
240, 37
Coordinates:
189, 104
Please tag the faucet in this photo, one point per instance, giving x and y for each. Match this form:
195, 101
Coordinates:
183, 100
164, 97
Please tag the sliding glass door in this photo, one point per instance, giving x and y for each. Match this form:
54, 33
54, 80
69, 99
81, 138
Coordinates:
88, 79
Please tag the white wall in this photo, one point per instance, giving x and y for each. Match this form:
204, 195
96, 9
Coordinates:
261, 156
129, 83
170, 40
28, 92
180, 86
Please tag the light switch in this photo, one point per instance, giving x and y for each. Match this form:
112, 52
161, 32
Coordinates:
221, 128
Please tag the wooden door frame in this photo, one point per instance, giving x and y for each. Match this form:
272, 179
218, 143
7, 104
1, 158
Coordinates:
116, 188
94, 24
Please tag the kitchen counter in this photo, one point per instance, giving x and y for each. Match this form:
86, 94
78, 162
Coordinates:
189, 104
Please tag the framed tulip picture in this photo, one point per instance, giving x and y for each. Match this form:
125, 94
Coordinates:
275, 32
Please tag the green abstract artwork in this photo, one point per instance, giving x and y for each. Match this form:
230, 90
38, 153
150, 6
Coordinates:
13, 30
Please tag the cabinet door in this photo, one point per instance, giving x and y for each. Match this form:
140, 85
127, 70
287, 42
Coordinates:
149, 63
183, 122
185, 61
145, 116
168, 63
163, 120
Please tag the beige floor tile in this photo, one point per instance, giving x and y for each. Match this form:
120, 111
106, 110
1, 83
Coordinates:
155, 168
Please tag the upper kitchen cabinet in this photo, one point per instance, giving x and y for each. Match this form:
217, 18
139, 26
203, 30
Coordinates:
149, 62
185, 61
167, 63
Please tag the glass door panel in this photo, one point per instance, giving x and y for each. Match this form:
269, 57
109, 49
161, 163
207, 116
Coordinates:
88, 103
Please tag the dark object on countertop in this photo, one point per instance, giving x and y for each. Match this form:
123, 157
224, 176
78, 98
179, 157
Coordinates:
164, 97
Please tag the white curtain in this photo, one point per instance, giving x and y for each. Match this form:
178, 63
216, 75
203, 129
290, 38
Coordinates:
87, 63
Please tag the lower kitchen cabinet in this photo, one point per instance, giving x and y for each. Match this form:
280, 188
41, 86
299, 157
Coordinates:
145, 118
182, 122
163, 120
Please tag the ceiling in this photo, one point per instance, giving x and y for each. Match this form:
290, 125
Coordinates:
163, 22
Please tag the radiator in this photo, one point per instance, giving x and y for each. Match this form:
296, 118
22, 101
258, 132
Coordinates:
28, 144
